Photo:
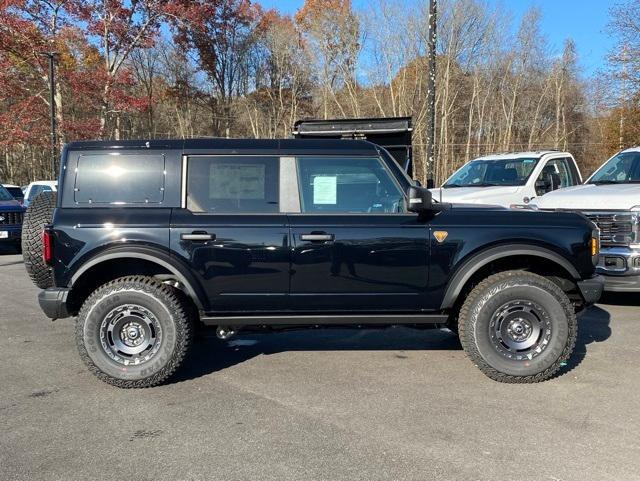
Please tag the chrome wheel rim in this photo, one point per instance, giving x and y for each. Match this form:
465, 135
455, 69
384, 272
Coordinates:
520, 330
130, 334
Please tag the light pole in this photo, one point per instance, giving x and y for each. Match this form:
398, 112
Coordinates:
52, 104
431, 92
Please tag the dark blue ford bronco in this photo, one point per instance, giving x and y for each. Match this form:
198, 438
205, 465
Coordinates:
11, 214
145, 239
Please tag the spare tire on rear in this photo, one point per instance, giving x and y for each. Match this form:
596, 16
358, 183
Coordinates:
39, 213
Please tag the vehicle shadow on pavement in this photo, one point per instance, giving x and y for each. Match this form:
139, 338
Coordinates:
620, 299
211, 354
593, 326
9, 250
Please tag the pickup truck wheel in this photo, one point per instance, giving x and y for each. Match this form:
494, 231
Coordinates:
517, 327
134, 332
39, 213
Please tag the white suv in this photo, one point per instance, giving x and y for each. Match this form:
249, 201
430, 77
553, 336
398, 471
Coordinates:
509, 179
35, 188
610, 198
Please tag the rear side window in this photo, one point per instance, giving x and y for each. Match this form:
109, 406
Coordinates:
120, 179
220, 185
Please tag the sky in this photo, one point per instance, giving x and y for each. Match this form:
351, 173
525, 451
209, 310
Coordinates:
585, 21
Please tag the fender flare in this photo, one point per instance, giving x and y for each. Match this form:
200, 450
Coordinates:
477, 261
161, 258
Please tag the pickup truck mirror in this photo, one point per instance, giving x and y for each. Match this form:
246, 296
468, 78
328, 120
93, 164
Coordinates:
543, 186
547, 182
420, 200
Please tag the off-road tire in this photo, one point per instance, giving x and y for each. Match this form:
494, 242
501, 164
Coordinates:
39, 213
485, 301
171, 312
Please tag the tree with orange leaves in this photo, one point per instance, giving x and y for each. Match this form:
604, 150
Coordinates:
333, 30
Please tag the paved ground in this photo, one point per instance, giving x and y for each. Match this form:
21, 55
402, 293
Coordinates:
328, 404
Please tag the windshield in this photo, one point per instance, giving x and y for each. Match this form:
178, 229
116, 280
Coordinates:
623, 168
488, 173
4, 194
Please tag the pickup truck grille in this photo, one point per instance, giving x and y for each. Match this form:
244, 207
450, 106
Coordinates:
11, 218
616, 229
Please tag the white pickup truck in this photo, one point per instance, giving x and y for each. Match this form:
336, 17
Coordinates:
510, 179
610, 198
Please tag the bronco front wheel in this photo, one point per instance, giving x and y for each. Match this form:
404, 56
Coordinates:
517, 327
134, 332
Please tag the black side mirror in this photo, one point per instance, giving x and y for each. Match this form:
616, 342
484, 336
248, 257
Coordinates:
543, 185
420, 200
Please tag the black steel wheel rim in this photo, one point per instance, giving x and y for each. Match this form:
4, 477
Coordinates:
520, 330
130, 335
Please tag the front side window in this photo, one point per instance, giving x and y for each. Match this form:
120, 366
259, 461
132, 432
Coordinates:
623, 168
347, 185
218, 185
490, 173
554, 175
563, 172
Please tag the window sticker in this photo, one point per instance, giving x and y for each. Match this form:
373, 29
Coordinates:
325, 190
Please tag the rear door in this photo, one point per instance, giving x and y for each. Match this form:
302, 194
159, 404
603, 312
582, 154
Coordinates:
231, 232
355, 248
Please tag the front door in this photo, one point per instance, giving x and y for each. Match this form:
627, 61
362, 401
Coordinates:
231, 233
355, 248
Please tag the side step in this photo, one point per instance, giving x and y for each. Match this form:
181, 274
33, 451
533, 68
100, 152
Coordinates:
320, 319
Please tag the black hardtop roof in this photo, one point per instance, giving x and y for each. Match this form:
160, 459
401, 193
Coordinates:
233, 146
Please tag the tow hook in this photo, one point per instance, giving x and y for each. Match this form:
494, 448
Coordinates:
225, 332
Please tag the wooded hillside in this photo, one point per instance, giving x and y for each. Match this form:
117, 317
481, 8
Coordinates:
182, 68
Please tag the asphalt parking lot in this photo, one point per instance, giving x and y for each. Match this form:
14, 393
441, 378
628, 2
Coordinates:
326, 404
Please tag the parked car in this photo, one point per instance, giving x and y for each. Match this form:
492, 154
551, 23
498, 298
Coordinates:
11, 216
510, 179
36, 188
15, 191
273, 234
610, 198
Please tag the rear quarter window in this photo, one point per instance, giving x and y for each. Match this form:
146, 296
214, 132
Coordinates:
120, 179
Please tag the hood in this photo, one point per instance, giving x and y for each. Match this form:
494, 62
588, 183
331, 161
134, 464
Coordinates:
12, 204
502, 195
591, 197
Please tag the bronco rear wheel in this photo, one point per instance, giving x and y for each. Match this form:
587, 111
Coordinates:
517, 327
134, 332
39, 213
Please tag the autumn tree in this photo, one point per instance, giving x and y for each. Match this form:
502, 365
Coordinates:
282, 77
119, 28
332, 29
222, 35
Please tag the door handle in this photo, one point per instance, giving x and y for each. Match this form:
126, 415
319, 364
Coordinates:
198, 236
317, 237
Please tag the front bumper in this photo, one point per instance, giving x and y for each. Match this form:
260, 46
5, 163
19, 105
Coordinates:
621, 268
53, 302
14, 233
622, 283
591, 289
